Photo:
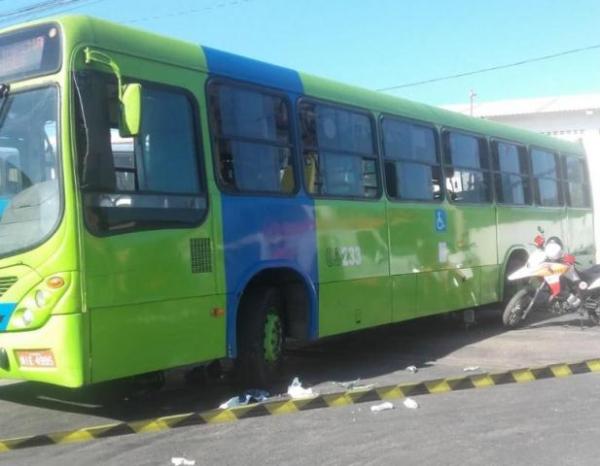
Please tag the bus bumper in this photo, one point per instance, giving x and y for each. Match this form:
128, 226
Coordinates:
54, 353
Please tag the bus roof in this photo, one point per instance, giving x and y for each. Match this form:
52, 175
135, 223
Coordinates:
113, 36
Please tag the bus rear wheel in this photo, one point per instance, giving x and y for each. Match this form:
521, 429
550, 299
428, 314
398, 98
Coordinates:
261, 338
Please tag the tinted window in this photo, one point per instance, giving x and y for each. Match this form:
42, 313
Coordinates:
252, 141
544, 169
412, 170
338, 152
577, 185
466, 172
512, 177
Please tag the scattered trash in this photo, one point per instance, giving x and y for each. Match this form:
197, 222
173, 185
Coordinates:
182, 462
354, 385
410, 403
382, 407
249, 396
412, 369
298, 392
471, 369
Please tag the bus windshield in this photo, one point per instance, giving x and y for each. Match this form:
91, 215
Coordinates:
29, 184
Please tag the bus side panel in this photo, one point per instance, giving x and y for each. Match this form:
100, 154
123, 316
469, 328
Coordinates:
449, 248
355, 288
171, 333
264, 232
518, 226
579, 239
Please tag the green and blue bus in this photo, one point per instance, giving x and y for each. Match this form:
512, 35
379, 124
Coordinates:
164, 204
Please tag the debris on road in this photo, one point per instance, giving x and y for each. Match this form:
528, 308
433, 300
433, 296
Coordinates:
382, 407
182, 462
354, 385
249, 396
471, 369
297, 392
412, 369
410, 403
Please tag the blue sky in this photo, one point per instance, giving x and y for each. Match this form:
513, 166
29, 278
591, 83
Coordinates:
383, 43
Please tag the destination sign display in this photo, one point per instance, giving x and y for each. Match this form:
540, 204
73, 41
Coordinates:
29, 52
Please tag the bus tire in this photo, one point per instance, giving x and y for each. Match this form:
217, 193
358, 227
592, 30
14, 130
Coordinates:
261, 338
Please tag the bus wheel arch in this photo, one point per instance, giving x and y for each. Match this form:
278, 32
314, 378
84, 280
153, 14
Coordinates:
275, 305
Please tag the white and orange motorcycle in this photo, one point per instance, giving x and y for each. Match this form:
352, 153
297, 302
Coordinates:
553, 282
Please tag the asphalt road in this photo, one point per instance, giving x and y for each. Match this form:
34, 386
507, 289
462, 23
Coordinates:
545, 422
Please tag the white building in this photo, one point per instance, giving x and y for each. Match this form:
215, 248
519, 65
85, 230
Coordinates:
575, 118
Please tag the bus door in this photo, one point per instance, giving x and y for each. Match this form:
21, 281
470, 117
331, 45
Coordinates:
148, 251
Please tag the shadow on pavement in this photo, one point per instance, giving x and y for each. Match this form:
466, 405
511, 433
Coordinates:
365, 355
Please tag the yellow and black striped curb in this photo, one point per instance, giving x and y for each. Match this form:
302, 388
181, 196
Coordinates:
286, 405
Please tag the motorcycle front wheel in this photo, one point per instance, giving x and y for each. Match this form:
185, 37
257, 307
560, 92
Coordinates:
513, 313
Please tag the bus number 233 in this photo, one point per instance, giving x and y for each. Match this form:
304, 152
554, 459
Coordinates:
346, 256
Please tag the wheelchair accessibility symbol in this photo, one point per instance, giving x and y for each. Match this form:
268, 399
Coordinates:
441, 220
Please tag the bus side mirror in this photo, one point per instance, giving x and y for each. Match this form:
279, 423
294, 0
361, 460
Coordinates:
131, 110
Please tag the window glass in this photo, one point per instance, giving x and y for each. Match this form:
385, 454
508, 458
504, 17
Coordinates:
343, 130
543, 163
509, 159
577, 185
411, 165
408, 141
466, 151
338, 151
512, 183
575, 170
167, 146
252, 140
544, 169
467, 178
512, 189
547, 192
468, 186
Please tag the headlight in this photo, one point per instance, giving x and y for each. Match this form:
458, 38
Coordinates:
553, 251
27, 317
40, 298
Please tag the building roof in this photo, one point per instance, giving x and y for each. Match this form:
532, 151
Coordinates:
565, 103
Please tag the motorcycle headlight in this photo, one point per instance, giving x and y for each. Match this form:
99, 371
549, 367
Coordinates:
553, 251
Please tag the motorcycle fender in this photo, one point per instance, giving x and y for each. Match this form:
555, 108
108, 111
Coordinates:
518, 274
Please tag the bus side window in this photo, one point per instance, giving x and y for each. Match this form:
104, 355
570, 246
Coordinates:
577, 187
412, 167
339, 152
545, 172
467, 168
512, 173
251, 139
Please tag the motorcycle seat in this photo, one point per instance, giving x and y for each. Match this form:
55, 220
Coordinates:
590, 274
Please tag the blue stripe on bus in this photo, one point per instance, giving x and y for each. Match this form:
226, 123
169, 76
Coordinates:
257, 72
6, 311
3, 204
265, 232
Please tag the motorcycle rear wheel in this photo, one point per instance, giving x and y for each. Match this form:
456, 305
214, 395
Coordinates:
513, 313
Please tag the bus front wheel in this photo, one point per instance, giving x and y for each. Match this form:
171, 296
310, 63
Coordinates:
261, 338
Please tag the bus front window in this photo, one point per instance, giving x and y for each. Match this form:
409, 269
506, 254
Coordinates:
29, 184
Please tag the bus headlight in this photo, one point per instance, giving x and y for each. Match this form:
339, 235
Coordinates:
40, 298
27, 317
35, 308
